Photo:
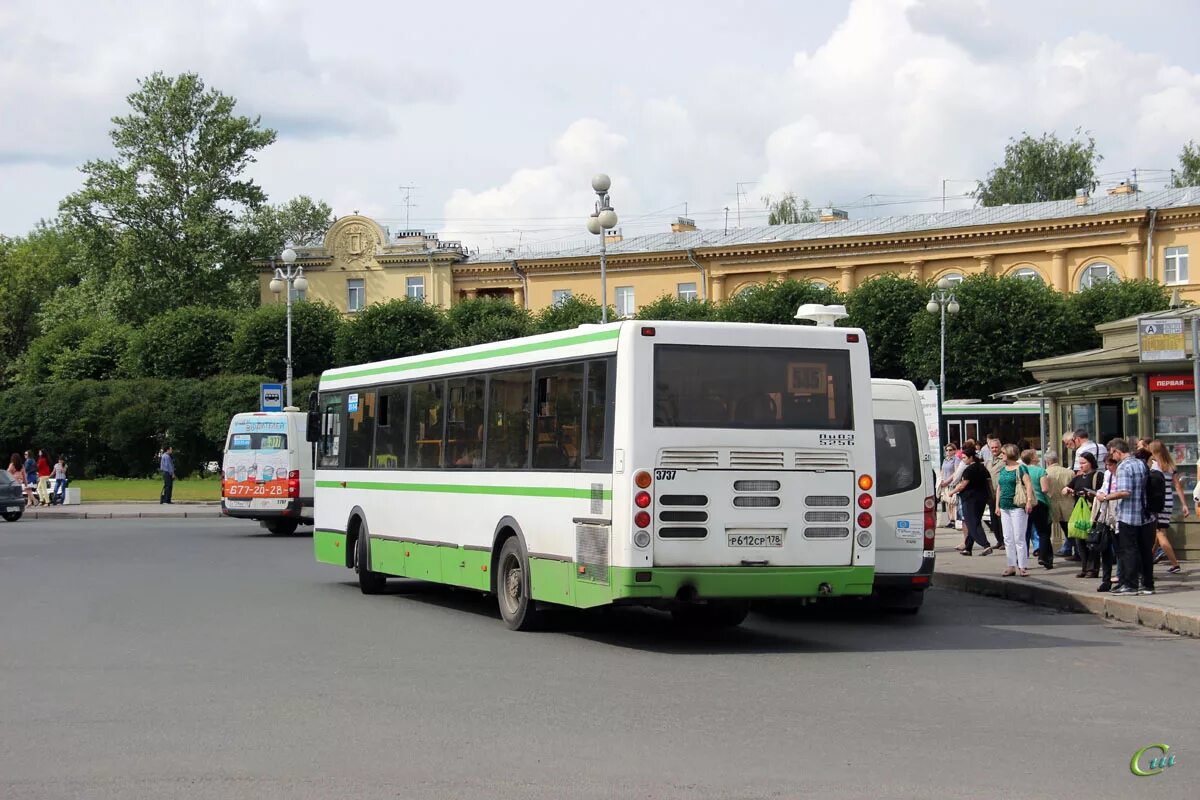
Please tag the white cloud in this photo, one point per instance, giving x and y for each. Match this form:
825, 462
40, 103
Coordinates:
555, 198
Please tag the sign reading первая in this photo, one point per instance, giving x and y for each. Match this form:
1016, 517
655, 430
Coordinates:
1161, 339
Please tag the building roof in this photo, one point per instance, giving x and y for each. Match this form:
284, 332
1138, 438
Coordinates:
867, 226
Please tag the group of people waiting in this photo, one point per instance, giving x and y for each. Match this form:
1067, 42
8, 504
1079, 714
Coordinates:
1025, 495
36, 474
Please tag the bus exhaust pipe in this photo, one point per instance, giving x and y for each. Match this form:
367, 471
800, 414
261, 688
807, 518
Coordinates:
824, 589
686, 594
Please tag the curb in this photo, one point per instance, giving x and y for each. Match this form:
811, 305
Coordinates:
34, 515
1156, 617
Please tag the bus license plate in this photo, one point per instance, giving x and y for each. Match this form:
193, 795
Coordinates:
755, 539
14, 509
237, 503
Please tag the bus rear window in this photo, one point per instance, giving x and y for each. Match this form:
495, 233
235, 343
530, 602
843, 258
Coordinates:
701, 386
258, 441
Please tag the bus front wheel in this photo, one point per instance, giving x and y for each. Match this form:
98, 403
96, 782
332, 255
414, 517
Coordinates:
369, 582
518, 609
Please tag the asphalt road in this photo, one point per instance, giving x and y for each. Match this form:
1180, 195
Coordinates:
200, 658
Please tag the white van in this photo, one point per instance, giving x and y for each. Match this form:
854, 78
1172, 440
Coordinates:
905, 504
267, 473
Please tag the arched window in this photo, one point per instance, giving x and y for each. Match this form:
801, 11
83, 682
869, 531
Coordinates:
1026, 273
1099, 272
953, 278
745, 287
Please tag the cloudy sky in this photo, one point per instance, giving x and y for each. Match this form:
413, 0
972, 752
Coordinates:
498, 113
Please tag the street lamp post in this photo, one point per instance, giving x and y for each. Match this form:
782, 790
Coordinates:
601, 220
942, 300
293, 278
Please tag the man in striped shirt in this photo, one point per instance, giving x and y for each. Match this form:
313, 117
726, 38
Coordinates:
1133, 522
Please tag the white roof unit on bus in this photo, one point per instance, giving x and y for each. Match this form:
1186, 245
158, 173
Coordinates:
823, 315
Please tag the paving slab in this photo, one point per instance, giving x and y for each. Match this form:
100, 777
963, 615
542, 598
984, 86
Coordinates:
1174, 607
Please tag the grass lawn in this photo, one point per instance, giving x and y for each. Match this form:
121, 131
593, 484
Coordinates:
117, 490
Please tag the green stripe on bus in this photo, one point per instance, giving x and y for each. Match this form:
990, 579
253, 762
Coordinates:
442, 361
459, 488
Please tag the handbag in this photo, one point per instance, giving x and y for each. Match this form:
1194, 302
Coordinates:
1020, 496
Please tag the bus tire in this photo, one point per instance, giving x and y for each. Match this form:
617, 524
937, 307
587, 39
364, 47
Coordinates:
282, 527
369, 582
517, 608
12, 516
908, 603
727, 614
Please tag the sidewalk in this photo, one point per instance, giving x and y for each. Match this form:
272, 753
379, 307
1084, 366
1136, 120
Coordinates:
129, 510
1174, 607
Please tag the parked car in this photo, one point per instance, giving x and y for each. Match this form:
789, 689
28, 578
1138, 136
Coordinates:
12, 498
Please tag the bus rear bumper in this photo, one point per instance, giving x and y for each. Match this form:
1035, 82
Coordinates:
741, 583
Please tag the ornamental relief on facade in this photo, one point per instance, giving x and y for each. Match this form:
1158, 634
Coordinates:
355, 245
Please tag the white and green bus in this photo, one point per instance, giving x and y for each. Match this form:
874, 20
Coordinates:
693, 466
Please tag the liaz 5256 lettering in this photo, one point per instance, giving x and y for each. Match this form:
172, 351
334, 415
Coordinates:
691, 466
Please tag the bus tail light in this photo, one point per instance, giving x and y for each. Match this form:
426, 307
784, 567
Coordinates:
930, 521
865, 501
642, 519
864, 520
642, 499
865, 482
642, 479
294, 483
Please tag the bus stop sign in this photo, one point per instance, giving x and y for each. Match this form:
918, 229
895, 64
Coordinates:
270, 397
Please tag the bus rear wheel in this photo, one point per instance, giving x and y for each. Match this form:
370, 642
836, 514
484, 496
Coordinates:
369, 582
517, 607
726, 614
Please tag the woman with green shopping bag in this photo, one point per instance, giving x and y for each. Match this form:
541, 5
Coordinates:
1084, 487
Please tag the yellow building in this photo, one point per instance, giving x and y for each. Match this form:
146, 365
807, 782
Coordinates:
1126, 234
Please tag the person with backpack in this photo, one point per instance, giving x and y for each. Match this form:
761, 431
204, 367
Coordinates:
1139, 499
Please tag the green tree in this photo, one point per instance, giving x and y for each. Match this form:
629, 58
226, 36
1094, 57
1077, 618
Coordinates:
487, 319
40, 362
787, 210
165, 210
1188, 173
571, 313
884, 307
1003, 323
1108, 301
32, 269
776, 302
300, 222
397, 328
1040, 169
671, 307
259, 344
188, 342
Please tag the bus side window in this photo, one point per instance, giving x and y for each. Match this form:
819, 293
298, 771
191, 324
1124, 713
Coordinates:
425, 422
599, 412
390, 426
508, 420
331, 430
559, 416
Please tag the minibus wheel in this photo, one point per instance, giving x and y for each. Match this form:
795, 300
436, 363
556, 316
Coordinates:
282, 527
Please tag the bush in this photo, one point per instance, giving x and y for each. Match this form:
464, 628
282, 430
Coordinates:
259, 344
393, 329
671, 307
189, 342
487, 319
1110, 301
884, 307
776, 302
569, 314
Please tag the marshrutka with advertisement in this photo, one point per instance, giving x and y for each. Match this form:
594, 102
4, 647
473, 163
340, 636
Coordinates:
692, 466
